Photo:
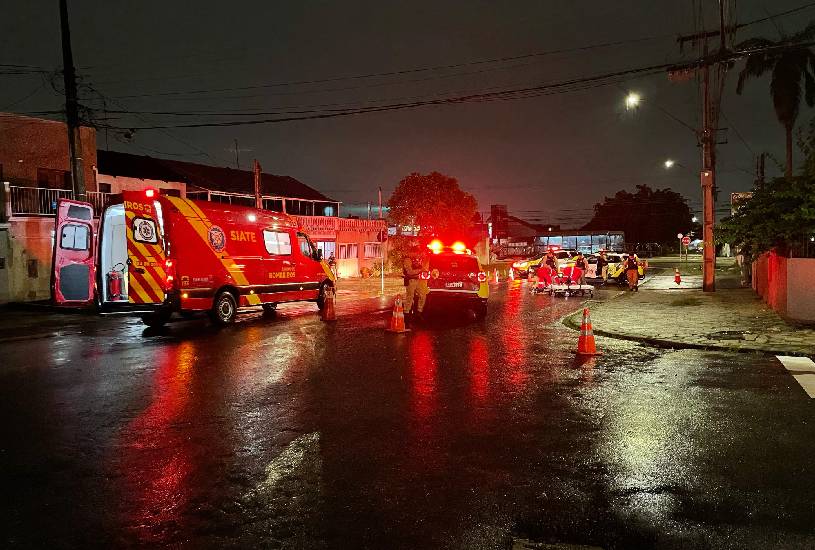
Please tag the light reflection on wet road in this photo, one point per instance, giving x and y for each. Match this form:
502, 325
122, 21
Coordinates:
288, 432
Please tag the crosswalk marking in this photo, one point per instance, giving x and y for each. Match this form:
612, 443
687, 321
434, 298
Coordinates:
802, 369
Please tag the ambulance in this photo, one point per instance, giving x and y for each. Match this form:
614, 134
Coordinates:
154, 255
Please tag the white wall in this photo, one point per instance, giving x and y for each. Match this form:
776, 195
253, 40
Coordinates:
120, 183
801, 289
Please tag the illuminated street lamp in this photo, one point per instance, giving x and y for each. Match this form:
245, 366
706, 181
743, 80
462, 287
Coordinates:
669, 164
694, 219
632, 101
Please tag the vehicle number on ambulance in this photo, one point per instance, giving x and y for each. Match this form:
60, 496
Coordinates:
457, 284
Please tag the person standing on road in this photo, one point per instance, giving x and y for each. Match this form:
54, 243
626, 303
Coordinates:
332, 265
412, 271
580, 263
551, 261
602, 266
632, 272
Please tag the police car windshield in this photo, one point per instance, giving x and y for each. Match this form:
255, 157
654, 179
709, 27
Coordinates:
454, 263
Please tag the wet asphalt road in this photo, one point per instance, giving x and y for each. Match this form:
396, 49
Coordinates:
289, 432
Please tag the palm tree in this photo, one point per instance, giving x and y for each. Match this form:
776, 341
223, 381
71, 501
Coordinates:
789, 60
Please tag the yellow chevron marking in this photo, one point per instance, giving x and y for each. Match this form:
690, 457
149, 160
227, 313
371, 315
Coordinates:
135, 286
201, 224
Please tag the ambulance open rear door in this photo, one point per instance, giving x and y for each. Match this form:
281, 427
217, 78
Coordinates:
146, 268
73, 271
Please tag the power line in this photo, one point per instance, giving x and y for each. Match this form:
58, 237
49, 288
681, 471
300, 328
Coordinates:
509, 94
736, 131
406, 71
775, 15
163, 131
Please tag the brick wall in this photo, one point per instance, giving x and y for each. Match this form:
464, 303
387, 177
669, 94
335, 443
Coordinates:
29, 144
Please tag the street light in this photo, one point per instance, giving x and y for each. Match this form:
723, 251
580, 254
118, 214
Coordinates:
632, 100
669, 164
694, 219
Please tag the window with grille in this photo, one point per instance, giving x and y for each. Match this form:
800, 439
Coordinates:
348, 251
372, 250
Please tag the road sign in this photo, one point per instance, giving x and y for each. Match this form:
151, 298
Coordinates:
686, 241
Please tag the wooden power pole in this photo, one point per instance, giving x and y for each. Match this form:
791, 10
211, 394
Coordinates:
707, 136
258, 199
71, 105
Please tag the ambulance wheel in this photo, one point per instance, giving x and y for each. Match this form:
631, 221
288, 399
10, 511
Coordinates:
321, 296
224, 309
156, 319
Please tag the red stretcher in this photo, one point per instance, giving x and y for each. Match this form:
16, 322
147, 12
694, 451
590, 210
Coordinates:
565, 283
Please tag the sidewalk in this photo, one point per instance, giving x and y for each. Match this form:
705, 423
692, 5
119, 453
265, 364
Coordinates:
732, 319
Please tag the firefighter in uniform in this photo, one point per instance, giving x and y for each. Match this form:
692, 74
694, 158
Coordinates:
632, 272
580, 263
412, 267
549, 267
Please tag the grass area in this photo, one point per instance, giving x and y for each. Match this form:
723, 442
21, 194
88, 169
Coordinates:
693, 265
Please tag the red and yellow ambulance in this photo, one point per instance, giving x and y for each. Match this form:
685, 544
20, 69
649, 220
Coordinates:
155, 255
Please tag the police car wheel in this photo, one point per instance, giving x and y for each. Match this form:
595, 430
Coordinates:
224, 309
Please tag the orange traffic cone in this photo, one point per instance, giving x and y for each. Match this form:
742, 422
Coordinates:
329, 312
585, 344
677, 276
497, 278
397, 320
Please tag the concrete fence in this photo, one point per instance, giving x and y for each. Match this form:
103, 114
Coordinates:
787, 285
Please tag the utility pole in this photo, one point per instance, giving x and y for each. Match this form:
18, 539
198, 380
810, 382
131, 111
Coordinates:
380, 202
707, 136
760, 171
71, 105
258, 199
708, 181
237, 156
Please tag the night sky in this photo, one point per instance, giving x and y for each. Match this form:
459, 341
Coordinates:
548, 158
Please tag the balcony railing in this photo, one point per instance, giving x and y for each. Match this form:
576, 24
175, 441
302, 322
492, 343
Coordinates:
36, 201
42, 201
325, 224
98, 200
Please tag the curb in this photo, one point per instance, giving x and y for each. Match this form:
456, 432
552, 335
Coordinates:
571, 322
47, 306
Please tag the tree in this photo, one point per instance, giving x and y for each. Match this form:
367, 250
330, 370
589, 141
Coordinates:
433, 202
790, 61
778, 216
644, 216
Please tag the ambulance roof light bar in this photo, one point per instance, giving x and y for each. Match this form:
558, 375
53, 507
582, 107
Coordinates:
149, 192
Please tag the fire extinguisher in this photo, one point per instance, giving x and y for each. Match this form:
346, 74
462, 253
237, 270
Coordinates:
115, 278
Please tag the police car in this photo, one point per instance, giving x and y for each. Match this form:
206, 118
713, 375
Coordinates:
455, 278
526, 267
